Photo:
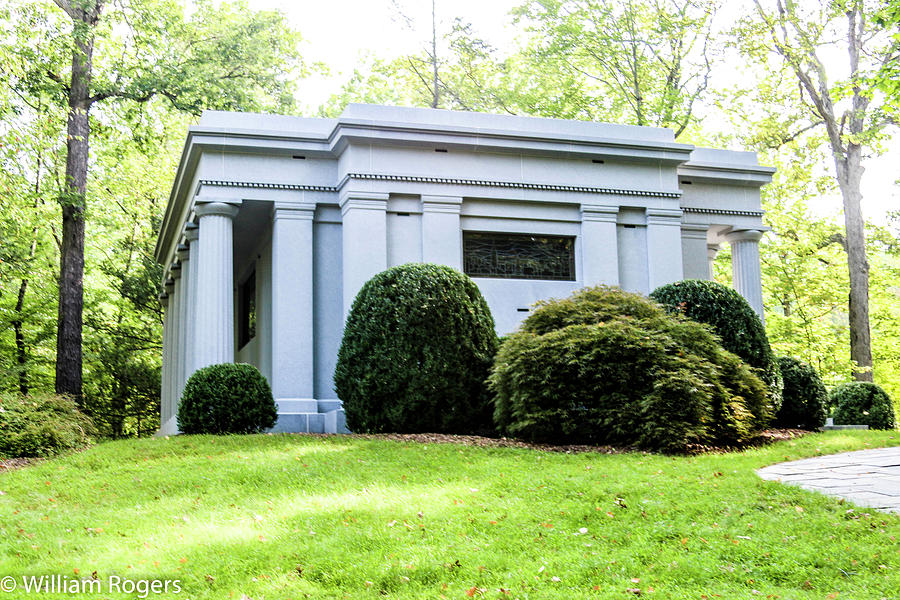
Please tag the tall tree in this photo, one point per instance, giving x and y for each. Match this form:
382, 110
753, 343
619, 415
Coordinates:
221, 56
643, 62
851, 115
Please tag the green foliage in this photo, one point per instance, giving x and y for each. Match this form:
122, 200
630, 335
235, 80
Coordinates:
641, 62
606, 366
805, 396
154, 63
732, 319
41, 425
417, 347
862, 403
227, 398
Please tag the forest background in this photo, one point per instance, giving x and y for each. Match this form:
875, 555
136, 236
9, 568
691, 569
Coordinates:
811, 86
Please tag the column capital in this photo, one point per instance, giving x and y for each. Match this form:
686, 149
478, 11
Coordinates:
169, 285
744, 235
694, 231
216, 206
599, 212
664, 216
191, 232
302, 211
712, 250
183, 252
442, 204
363, 201
175, 270
163, 298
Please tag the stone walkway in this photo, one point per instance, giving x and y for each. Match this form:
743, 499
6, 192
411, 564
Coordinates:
867, 477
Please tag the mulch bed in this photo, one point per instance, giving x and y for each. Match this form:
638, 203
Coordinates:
766, 437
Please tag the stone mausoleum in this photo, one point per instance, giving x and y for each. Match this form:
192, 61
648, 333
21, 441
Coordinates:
275, 222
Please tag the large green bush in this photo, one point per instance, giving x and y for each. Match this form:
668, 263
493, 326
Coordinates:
417, 348
41, 425
862, 403
732, 319
804, 394
227, 398
606, 366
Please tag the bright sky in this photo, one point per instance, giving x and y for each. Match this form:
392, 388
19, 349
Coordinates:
339, 32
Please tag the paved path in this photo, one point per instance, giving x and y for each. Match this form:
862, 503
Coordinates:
867, 477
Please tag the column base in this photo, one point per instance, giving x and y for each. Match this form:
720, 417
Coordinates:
170, 427
308, 415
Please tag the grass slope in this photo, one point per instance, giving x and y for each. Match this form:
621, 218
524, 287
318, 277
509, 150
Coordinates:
293, 517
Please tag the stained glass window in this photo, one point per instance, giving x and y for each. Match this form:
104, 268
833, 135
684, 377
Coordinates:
519, 256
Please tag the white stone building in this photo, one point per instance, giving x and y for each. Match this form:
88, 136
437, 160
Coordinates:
274, 223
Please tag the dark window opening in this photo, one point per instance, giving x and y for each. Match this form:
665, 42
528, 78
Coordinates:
519, 256
247, 310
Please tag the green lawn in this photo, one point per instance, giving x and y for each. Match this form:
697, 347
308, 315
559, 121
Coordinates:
314, 517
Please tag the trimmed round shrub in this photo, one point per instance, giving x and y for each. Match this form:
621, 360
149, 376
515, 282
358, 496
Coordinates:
227, 398
609, 367
41, 426
732, 319
862, 403
804, 396
417, 348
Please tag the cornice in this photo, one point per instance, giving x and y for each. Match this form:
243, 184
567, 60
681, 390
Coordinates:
509, 184
723, 211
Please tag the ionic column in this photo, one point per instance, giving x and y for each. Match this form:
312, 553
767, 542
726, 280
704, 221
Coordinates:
599, 244
364, 240
712, 250
184, 317
693, 251
166, 362
664, 261
292, 301
215, 284
745, 268
441, 234
192, 235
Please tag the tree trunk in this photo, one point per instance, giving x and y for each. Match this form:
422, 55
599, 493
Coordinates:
849, 175
71, 284
21, 354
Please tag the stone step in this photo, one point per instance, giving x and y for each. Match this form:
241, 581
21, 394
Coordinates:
299, 422
336, 421
297, 405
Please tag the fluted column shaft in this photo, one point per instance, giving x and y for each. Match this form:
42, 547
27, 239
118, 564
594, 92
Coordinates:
175, 354
599, 244
166, 357
215, 284
192, 235
745, 268
292, 301
184, 318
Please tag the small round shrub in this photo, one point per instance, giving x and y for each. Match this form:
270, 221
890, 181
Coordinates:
227, 398
862, 403
609, 367
417, 348
732, 319
804, 395
41, 426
